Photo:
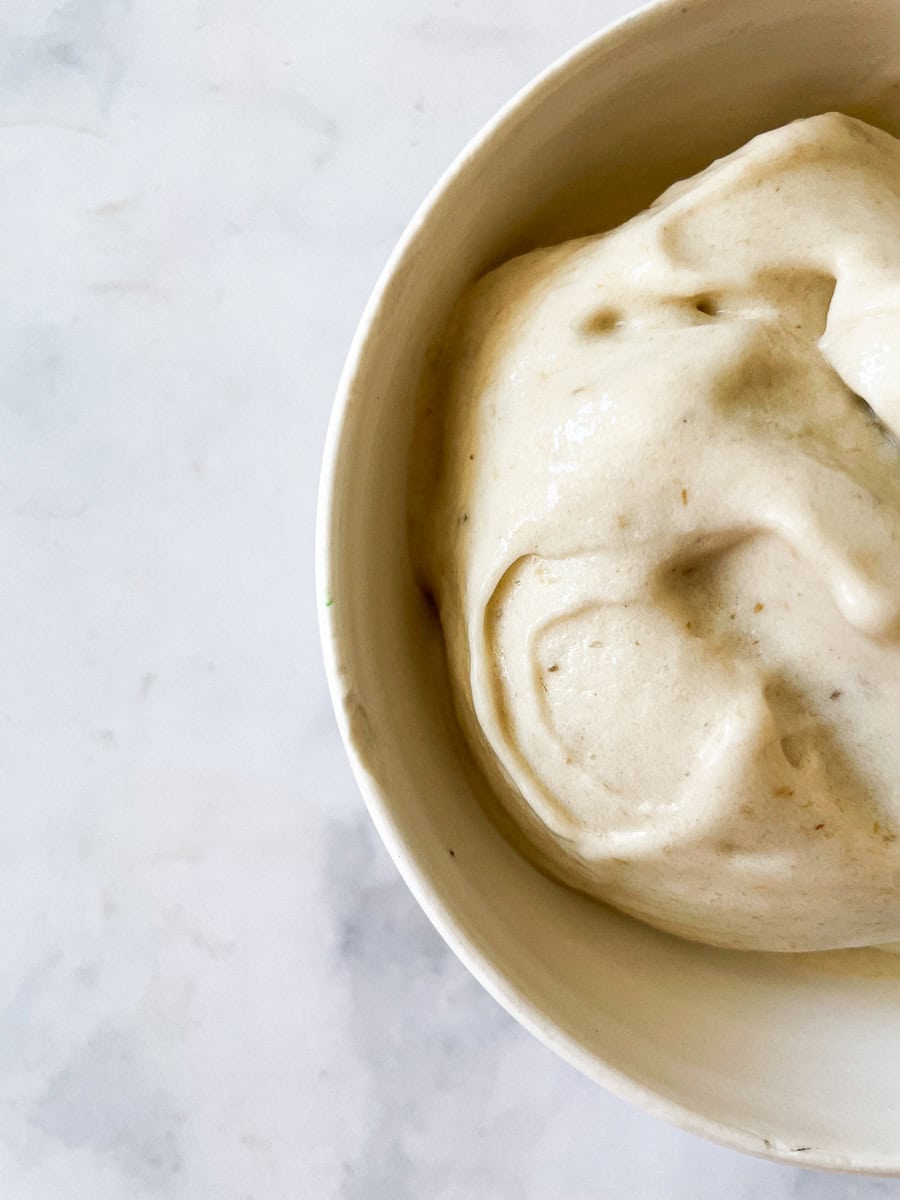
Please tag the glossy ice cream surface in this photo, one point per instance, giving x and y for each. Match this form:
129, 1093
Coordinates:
663, 534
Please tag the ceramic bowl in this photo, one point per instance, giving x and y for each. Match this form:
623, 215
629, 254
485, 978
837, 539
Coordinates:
795, 1058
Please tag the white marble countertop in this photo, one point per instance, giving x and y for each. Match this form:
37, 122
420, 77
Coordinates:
214, 985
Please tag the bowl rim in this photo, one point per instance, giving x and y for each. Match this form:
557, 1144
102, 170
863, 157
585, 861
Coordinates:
512, 998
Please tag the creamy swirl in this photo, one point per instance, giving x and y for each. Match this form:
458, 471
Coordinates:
664, 540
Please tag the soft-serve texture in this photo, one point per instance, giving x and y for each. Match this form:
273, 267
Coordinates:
662, 529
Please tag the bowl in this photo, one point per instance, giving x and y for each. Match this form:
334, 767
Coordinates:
792, 1057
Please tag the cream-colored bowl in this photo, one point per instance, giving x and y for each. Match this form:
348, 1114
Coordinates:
785, 1056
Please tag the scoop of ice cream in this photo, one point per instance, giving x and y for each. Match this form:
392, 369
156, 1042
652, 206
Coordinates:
664, 540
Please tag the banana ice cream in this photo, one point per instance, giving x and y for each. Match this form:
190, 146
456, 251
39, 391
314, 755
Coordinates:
663, 534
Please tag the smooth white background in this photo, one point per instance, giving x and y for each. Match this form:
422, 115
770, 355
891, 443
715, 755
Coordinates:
213, 985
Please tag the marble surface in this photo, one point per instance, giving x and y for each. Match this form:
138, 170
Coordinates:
213, 982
